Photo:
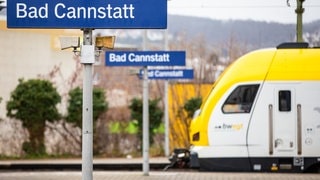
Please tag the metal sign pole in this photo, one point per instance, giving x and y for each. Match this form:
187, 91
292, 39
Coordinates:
87, 118
166, 119
145, 133
145, 118
166, 104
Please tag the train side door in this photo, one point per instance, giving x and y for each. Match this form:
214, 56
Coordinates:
284, 121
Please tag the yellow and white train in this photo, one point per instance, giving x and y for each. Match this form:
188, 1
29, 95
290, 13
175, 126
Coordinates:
262, 114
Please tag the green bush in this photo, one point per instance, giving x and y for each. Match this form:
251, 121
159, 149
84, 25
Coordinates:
100, 105
34, 102
192, 105
155, 116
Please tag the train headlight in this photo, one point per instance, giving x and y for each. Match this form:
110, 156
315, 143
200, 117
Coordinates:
196, 136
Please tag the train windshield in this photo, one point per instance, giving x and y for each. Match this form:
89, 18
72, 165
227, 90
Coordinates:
241, 99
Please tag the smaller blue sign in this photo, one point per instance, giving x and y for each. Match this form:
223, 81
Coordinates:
168, 73
145, 58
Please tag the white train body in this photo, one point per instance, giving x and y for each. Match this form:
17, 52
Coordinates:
263, 114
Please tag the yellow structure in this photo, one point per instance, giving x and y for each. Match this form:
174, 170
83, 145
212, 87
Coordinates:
179, 94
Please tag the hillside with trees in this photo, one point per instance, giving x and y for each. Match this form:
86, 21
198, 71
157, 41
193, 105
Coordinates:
256, 34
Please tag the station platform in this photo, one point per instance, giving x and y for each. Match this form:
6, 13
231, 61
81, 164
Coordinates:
135, 175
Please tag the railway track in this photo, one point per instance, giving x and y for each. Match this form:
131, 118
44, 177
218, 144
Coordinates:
76, 166
107, 164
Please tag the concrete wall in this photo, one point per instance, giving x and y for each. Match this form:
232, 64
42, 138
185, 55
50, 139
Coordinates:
28, 54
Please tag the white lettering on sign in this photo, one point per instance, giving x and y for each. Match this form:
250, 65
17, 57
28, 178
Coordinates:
132, 57
165, 57
61, 11
174, 73
31, 12
124, 12
117, 58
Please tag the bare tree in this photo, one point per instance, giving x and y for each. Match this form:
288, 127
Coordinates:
69, 136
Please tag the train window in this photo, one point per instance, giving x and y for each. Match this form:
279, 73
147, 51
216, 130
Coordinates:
241, 99
284, 101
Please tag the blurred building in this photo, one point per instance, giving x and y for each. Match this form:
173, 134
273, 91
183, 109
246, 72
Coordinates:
32, 53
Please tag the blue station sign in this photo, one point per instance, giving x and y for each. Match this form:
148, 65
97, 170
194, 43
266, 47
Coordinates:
168, 73
145, 58
98, 14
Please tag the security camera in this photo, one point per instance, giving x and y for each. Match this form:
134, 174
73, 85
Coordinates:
67, 42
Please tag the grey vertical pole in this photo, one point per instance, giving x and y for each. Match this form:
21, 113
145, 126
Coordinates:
166, 104
87, 122
145, 134
166, 119
145, 120
299, 12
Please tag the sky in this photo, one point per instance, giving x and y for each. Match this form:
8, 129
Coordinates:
259, 10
